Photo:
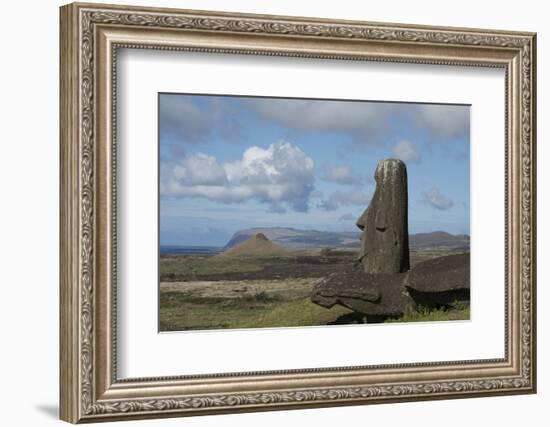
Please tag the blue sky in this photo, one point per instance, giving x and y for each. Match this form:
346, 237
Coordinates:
229, 163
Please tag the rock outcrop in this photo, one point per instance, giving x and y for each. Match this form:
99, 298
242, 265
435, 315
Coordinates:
440, 281
437, 282
382, 285
378, 296
385, 238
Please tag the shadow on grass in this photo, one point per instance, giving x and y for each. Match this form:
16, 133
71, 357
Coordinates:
348, 318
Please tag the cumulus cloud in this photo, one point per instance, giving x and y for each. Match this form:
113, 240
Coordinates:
346, 217
406, 151
437, 200
343, 175
199, 170
365, 122
446, 121
191, 119
194, 119
344, 198
328, 205
317, 194
281, 175
182, 119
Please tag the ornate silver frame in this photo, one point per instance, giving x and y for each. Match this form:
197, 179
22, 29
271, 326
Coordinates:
90, 36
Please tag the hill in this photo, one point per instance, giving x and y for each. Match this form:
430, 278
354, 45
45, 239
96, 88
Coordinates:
438, 239
297, 239
292, 238
257, 245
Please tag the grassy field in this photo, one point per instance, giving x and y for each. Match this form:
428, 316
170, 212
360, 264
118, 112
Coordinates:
201, 265
458, 312
217, 292
241, 304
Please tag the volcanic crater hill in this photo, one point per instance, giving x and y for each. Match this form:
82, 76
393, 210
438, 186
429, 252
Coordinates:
257, 245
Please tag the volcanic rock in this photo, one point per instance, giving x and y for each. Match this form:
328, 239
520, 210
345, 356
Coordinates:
434, 283
378, 296
440, 281
385, 238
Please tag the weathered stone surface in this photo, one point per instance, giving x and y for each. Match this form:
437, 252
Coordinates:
440, 281
375, 295
385, 238
437, 282
382, 286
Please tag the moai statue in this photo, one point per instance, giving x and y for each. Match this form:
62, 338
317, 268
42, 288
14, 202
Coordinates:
385, 238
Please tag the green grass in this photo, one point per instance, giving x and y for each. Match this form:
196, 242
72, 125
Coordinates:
180, 311
423, 314
200, 265
206, 304
300, 312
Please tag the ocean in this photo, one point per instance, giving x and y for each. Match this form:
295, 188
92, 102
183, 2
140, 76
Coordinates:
190, 250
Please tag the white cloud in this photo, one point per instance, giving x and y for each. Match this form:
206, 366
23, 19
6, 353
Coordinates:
446, 121
328, 205
280, 175
365, 122
319, 114
406, 151
200, 169
195, 119
344, 198
343, 175
192, 119
183, 120
437, 200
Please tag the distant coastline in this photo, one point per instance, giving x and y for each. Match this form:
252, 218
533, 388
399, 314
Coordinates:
295, 239
190, 250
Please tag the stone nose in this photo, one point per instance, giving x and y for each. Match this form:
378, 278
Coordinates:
362, 220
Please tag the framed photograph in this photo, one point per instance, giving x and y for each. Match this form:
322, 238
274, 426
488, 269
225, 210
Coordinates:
266, 212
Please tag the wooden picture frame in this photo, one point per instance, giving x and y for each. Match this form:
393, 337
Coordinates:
90, 37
